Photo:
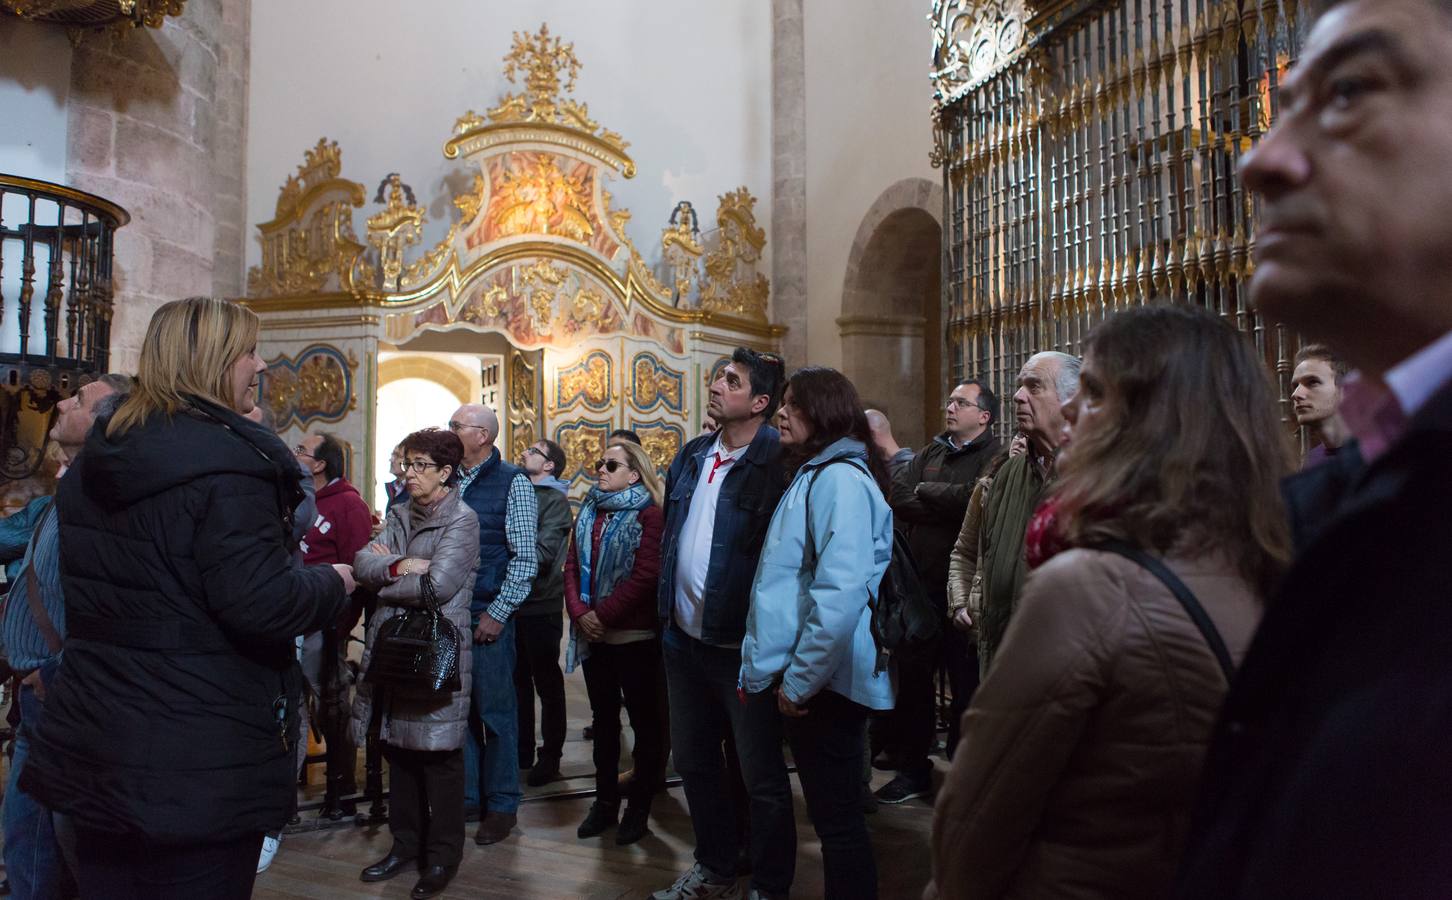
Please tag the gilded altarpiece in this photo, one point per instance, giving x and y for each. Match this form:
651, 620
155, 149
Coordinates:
538, 253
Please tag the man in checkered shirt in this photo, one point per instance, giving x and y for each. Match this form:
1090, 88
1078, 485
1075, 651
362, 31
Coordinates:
503, 497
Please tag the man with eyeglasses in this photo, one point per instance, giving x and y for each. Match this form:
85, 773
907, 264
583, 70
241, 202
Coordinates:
539, 624
502, 495
929, 497
341, 528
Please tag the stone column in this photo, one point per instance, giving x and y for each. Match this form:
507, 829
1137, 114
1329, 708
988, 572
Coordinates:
157, 123
789, 178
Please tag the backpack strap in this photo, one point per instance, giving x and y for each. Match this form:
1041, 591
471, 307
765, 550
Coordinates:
1182, 593
812, 480
882, 653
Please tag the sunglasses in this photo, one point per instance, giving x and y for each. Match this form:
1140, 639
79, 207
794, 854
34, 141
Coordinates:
610, 465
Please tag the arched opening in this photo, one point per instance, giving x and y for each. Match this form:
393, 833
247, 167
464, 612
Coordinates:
892, 310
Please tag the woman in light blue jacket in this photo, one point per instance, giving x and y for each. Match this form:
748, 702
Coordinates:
808, 634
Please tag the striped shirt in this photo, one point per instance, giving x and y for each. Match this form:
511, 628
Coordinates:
24, 645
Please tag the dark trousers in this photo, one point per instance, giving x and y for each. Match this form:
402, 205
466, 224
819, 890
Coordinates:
118, 867
912, 726
537, 670
827, 746
705, 713
426, 816
960, 658
628, 671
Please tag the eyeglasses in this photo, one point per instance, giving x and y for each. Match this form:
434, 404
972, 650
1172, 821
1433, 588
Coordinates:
610, 465
419, 465
960, 403
535, 450
460, 426
300, 450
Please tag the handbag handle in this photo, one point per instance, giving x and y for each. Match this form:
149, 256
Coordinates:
428, 593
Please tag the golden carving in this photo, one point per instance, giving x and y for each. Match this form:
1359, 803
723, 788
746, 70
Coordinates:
587, 305
398, 225
732, 284
589, 381
542, 283
470, 203
661, 446
654, 384
583, 445
97, 13
310, 247
681, 251
532, 200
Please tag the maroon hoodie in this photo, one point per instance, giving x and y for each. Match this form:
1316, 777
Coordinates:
342, 528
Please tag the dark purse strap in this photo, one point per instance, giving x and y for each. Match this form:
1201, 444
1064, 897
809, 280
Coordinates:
1182, 593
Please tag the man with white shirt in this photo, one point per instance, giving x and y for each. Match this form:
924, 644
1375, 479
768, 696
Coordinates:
1328, 775
721, 491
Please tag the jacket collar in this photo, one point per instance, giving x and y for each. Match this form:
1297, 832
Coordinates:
842, 448
947, 441
763, 449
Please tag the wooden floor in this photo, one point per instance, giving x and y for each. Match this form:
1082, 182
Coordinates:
544, 859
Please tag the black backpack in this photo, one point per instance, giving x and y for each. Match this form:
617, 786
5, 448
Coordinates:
904, 620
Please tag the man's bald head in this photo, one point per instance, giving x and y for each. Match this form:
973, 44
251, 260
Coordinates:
878, 423
477, 427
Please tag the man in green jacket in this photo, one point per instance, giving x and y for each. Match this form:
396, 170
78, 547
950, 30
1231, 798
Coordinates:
1044, 383
539, 622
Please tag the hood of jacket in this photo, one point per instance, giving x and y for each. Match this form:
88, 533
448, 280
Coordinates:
338, 486
552, 482
842, 448
164, 453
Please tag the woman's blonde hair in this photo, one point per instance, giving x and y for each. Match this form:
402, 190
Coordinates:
189, 350
1191, 452
640, 463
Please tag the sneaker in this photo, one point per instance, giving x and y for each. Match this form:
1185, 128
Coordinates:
697, 885
903, 788
269, 852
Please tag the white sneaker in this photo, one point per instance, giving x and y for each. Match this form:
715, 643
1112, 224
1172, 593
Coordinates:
694, 885
269, 851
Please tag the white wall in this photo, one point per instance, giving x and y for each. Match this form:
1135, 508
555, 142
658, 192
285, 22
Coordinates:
35, 79
868, 126
687, 82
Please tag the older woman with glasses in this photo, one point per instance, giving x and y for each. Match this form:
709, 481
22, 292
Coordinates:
432, 536
611, 571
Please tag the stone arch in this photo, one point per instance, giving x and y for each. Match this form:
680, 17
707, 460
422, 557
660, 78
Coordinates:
436, 370
892, 308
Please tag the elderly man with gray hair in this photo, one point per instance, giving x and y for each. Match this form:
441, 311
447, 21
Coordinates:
992, 562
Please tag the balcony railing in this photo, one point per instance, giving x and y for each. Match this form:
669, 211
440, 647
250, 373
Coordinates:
56, 246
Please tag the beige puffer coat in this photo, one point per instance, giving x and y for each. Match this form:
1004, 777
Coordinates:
1083, 746
449, 539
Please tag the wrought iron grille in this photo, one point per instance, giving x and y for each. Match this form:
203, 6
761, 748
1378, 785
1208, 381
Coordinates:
56, 247
1090, 165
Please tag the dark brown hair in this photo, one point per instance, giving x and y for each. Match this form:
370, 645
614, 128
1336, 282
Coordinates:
1187, 452
443, 447
829, 403
1326, 355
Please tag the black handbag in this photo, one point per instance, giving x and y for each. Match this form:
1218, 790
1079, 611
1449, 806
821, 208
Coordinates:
416, 654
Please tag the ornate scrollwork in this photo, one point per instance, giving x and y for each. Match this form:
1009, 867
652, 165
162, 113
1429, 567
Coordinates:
315, 385
653, 384
661, 441
732, 284
398, 225
972, 39
97, 13
583, 441
310, 246
587, 381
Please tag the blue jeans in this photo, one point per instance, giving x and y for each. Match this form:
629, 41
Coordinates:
33, 861
706, 711
493, 723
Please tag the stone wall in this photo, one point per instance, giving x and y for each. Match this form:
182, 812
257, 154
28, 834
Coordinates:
789, 178
157, 123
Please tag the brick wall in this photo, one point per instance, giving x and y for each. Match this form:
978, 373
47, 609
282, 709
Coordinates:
157, 123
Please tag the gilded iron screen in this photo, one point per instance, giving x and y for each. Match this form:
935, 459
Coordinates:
1089, 151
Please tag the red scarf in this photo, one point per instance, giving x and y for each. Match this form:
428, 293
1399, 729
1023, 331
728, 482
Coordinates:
1044, 537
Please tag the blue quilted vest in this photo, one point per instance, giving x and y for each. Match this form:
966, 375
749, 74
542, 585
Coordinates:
488, 496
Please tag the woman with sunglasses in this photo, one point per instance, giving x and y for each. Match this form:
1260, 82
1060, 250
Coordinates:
433, 535
809, 630
610, 592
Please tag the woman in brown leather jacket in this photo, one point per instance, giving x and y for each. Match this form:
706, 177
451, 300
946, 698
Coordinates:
1082, 747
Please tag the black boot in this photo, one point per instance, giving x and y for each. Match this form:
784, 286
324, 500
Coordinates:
601, 816
632, 825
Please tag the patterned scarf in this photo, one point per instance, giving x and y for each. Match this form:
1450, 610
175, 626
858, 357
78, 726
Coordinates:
619, 540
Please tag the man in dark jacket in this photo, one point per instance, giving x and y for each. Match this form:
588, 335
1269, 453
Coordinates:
929, 497
721, 491
341, 528
1328, 773
539, 624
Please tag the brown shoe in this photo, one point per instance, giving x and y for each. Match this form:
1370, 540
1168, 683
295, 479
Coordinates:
494, 827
